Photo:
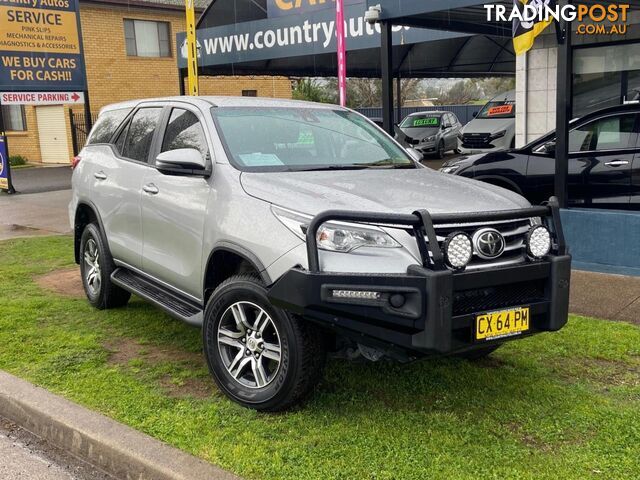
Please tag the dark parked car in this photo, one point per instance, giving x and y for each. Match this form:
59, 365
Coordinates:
604, 162
433, 132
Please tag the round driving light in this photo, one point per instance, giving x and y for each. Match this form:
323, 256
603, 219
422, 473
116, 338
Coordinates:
539, 241
458, 249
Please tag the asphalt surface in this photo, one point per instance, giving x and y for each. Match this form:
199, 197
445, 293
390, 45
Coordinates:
25, 456
36, 214
41, 179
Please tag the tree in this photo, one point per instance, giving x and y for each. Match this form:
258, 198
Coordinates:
309, 89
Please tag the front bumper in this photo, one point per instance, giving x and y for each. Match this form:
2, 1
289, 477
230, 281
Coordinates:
429, 309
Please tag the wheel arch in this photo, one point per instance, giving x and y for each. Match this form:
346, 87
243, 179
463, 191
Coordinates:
86, 213
227, 259
500, 182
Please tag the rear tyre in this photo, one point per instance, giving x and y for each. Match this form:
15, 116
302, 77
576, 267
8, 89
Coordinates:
478, 353
440, 151
96, 267
260, 356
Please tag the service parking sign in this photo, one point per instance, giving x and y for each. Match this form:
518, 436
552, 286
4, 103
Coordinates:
41, 46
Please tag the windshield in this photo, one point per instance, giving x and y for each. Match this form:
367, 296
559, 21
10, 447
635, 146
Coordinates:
421, 121
294, 139
498, 110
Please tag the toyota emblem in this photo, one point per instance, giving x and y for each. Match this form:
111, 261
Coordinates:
489, 243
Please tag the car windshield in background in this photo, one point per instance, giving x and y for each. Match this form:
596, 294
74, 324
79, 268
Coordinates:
421, 121
498, 110
299, 139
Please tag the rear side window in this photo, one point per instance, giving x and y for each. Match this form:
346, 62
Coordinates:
140, 134
106, 125
184, 131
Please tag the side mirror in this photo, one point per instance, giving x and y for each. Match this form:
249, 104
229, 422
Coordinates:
475, 114
415, 154
183, 161
550, 147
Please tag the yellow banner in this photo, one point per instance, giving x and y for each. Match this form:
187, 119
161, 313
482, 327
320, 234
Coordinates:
38, 30
192, 48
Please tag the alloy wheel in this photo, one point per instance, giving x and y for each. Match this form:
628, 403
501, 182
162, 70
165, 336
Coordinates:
92, 275
249, 345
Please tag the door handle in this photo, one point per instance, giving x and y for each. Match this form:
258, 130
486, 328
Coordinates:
617, 163
100, 175
151, 189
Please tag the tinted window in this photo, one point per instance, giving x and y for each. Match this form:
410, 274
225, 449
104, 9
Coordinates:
607, 133
106, 126
140, 134
454, 119
184, 131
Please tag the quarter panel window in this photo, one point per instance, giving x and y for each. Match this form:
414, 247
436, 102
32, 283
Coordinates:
140, 134
106, 126
184, 130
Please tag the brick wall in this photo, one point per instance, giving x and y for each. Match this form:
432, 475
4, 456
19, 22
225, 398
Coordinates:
113, 76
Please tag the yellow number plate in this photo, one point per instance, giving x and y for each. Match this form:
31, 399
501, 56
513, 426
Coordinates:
504, 323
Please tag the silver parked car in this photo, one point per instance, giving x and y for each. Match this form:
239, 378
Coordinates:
431, 133
288, 229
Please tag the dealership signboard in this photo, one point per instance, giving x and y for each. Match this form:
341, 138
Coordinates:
306, 28
41, 46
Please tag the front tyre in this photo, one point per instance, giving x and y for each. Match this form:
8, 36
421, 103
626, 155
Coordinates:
96, 267
440, 151
260, 356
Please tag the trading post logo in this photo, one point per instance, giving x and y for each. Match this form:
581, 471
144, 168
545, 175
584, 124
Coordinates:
530, 17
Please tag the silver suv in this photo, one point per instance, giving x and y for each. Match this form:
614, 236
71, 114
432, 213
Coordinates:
288, 230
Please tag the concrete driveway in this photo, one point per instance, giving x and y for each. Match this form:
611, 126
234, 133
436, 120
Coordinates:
41, 179
36, 214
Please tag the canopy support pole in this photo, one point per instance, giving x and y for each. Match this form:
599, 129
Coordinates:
386, 63
398, 99
563, 112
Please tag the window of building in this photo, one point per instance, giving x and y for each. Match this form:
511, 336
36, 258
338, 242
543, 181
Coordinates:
605, 76
249, 93
184, 131
147, 39
14, 119
140, 134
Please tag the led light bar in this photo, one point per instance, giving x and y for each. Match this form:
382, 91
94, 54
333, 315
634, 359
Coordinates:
356, 294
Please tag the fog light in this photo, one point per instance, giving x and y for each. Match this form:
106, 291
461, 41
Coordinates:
458, 249
356, 294
539, 241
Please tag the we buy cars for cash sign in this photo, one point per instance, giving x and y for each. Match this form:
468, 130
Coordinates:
41, 46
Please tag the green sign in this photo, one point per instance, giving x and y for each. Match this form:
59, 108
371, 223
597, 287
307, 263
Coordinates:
426, 122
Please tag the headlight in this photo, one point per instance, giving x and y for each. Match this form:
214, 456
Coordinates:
429, 139
458, 250
338, 236
538, 241
499, 134
450, 169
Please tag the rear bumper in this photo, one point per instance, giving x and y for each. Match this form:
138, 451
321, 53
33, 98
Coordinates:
440, 307
430, 309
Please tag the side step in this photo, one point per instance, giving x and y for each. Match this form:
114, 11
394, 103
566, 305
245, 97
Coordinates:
171, 302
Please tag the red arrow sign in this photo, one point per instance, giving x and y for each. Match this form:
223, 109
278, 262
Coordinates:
75, 97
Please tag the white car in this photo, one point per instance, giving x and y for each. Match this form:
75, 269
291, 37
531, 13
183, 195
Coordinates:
493, 128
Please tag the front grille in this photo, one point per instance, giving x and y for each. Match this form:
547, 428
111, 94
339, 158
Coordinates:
513, 231
493, 298
476, 140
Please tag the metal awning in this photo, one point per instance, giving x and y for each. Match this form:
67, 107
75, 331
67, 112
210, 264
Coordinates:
417, 52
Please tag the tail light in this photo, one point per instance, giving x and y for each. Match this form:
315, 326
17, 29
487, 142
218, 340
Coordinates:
75, 161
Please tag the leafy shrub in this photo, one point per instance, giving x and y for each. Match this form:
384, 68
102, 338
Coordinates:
15, 160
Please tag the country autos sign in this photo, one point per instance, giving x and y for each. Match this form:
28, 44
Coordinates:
303, 33
41, 46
